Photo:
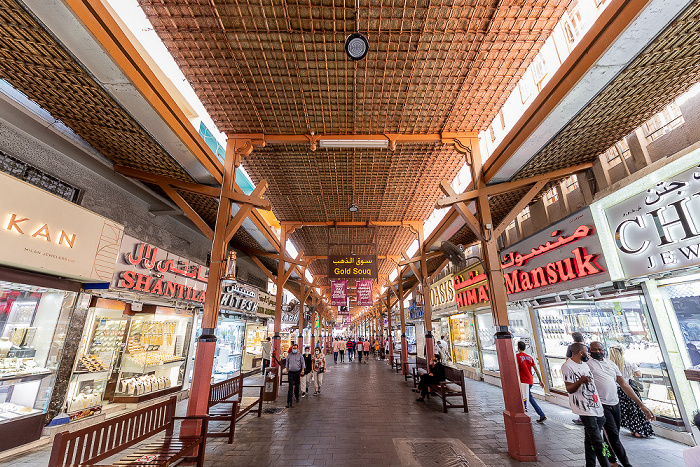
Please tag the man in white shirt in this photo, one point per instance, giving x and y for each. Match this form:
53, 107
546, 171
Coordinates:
607, 376
584, 401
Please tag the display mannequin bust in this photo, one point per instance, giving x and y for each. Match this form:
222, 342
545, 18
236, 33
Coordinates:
5, 346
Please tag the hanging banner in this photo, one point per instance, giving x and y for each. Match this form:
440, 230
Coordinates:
352, 266
339, 293
364, 292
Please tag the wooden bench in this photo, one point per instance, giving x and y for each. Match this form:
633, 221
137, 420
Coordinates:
452, 386
419, 369
93, 444
219, 395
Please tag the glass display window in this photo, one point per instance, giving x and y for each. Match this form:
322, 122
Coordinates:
228, 360
411, 339
465, 347
619, 321
255, 334
520, 326
487, 341
154, 355
33, 324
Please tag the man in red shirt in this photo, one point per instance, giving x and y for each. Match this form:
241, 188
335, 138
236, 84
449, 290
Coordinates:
525, 366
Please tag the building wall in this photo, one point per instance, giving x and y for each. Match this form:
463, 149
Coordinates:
101, 195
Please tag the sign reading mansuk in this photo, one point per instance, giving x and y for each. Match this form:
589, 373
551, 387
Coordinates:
352, 266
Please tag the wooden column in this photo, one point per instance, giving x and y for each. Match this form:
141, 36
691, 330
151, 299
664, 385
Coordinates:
313, 323
518, 425
390, 336
302, 303
425, 289
276, 342
206, 342
402, 317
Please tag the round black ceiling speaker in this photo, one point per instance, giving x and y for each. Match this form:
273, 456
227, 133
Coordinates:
356, 46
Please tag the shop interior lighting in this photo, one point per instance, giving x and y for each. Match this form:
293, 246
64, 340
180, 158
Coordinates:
585, 295
557, 298
596, 293
534, 303
675, 280
354, 143
570, 297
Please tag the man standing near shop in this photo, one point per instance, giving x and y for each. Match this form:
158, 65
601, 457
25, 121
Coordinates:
584, 401
295, 368
607, 376
266, 349
525, 366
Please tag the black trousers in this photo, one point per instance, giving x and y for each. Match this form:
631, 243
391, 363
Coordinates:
294, 378
424, 384
612, 432
593, 443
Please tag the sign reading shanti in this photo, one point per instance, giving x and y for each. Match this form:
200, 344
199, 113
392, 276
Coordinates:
658, 229
565, 256
352, 266
148, 269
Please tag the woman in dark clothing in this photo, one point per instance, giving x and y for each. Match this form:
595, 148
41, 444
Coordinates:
436, 373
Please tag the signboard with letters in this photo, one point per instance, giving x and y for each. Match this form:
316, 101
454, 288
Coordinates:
566, 255
442, 295
45, 233
239, 297
471, 288
364, 292
339, 293
352, 266
145, 268
657, 228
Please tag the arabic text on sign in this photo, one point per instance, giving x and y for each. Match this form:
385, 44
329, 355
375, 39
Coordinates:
516, 259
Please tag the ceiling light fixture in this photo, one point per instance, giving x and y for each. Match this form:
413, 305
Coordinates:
353, 207
354, 143
356, 45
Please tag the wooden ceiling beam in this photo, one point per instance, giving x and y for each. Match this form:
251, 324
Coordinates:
500, 188
407, 224
517, 209
261, 139
189, 212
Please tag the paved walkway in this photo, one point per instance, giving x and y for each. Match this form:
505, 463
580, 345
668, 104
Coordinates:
367, 416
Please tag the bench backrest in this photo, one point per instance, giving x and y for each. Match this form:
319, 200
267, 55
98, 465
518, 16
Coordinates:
225, 389
421, 363
92, 444
454, 374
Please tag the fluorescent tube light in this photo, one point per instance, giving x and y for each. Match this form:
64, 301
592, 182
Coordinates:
354, 143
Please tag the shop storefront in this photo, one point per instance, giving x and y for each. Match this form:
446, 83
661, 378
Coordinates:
651, 233
239, 347
443, 305
52, 238
139, 331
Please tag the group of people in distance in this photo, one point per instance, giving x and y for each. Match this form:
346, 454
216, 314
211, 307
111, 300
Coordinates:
354, 347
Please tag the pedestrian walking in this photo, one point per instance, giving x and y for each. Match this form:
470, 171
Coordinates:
342, 345
295, 368
376, 348
584, 401
350, 346
319, 369
577, 337
444, 347
360, 346
607, 377
266, 351
365, 346
631, 415
526, 364
335, 351
307, 376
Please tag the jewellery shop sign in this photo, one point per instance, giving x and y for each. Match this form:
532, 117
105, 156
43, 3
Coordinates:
653, 224
239, 298
147, 269
565, 256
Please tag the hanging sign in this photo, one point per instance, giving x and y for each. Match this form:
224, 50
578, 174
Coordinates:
565, 256
442, 295
657, 229
364, 292
151, 270
339, 293
352, 266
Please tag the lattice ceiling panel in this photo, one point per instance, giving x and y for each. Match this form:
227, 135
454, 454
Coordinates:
280, 67
386, 185
666, 69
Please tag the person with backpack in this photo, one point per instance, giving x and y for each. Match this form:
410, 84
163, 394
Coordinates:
350, 346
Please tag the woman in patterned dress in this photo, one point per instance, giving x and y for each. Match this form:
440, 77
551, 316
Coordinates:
632, 416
